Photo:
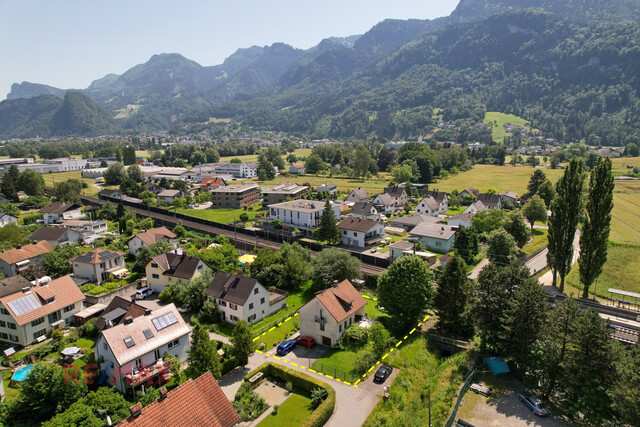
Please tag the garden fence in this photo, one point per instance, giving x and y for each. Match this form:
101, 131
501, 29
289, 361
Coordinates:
337, 373
275, 323
452, 419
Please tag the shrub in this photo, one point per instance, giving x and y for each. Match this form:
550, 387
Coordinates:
363, 362
88, 329
57, 334
275, 409
318, 395
354, 338
31, 219
288, 386
244, 217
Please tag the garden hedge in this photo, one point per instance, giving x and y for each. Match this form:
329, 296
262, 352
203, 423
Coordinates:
305, 382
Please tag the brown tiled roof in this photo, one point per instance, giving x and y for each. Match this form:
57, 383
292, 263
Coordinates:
212, 182
154, 235
48, 233
142, 345
298, 165
58, 208
63, 289
357, 224
13, 284
74, 223
97, 256
132, 309
177, 265
198, 402
341, 301
230, 287
26, 252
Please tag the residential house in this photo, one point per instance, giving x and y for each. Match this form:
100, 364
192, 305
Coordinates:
243, 298
510, 196
384, 203
237, 170
117, 310
435, 237
54, 235
5, 219
283, 192
88, 231
470, 191
149, 237
409, 222
154, 187
98, 264
173, 267
132, 352
331, 312
113, 194
28, 313
15, 260
297, 168
460, 220
398, 193
58, 212
428, 206
475, 207
360, 232
196, 402
326, 188
168, 196
491, 201
235, 196
357, 195
211, 182
364, 210
301, 214
440, 197
402, 248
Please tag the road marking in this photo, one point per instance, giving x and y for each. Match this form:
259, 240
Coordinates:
356, 383
385, 356
272, 329
348, 383
412, 331
287, 319
399, 342
294, 363
405, 337
329, 376
259, 351
276, 357
311, 370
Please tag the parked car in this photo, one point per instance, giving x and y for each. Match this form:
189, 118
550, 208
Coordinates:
306, 341
286, 346
382, 373
142, 293
535, 404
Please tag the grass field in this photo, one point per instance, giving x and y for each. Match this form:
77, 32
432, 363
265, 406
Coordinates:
372, 186
619, 165
225, 216
538, 241
51, 178
338, 364
498, 132
292, 412
621, 271
305, 152
625, 221
279, 334
502, 178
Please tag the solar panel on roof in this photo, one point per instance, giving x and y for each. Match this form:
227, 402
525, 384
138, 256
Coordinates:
164, 321
24, 305
147, 333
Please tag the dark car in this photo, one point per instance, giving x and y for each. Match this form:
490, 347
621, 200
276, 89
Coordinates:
382, 373
535, 404
306, 341
286, 346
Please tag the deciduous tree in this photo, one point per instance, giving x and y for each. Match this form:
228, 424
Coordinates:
31, 182
203, 356
334, 264
502, 248
242, 341
514, 225
535, 210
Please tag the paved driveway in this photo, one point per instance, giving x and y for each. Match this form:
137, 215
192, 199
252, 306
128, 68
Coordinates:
304, 356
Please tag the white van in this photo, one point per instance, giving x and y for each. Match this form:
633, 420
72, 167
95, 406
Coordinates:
142, 293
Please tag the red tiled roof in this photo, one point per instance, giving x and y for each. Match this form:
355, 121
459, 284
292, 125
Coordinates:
198, 402
212, 182
26, 252
154, 235
342, 300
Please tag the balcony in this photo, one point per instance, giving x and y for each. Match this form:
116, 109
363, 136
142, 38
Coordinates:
147, 374
321, 320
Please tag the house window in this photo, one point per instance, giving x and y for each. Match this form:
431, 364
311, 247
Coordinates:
255, 291
156, 353
155, 276
355, 234
251, 306
40, 333
104, 345
69, 308
12, 325
344, 232
36, 322
4, 311
174, 343
3, 335
252, 318
102, 265
340, 327
322, 326
233, 306
3, 323
154, 265
262, 300
222, 303
14, 338
233, 318
200, 267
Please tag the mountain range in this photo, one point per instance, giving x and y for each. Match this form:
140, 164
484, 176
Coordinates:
570, 67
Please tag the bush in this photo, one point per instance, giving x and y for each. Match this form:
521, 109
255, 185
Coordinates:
248, 404
244, 217
363, 362
31, 219
354, 338
275, 409
318, 395
229, 365
89, 330
57, 334
288, 386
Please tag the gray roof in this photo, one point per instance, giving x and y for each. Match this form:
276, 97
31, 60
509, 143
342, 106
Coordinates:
385, 199
438, 195
431, 203
231, 287
48, 233
462, 217
396, 191
177, 265
363, 208
489, 200
97, 256
11, 285
359, 194
59, 208
436, 231
414, 219
357, 224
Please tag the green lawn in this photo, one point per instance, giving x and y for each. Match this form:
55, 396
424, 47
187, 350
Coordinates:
538, 241
619, 165
498, 119
292, 412
225, 216
421, 368
372, 186
10, 392
295, 300
85, 343
304, 152
625, 218
51, 178
371, 309
278, 334
338, 364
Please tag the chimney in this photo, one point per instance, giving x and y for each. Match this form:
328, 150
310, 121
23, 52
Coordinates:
163, 393
128, 320
18, 246
136, 410
335, 283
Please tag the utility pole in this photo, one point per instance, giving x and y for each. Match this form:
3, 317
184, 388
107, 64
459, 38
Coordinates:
430, 425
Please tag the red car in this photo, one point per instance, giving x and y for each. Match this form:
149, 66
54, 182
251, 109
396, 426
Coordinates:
306, 341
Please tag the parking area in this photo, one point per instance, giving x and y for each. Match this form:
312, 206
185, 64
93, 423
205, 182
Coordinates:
305, 356
151, 302
378, 388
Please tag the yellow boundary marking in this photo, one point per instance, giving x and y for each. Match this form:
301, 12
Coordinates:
272, 328
294, 363
256, 339
287, 319
259, 351
276, 357
385, 356
399, 342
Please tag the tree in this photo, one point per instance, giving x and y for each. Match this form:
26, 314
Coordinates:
406, 290
115, 174
12, 235
203, 356
192, 294
547, 192
454, 299
242, 341
31, 182
145, 254
631, 150
33, 272
385, 158
514, 225
221, 258
57, 262
265, 168
295, 266
361, 161
535, 210
522, 321
467, 244
135, 173
597, 224
536, 180
91, 410
501, 247
314, 164
10, 184
108, 212
333, 264
402, 173
68, 191
566, 209
292, 158
328, 227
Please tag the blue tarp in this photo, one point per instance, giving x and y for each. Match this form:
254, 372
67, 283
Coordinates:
498, 366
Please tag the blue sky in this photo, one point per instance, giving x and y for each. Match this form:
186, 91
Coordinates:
69, 43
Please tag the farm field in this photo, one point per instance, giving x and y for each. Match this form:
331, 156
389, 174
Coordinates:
502, 178
372, 186
619, 165
305, 152
625, 221
51, 178
497, 131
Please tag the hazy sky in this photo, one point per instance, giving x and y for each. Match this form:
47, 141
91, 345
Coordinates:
69, 43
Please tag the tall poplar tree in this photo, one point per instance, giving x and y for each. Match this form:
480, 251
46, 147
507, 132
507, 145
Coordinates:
566, 209
597, 221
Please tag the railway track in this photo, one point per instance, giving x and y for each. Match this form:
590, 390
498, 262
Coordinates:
240, 241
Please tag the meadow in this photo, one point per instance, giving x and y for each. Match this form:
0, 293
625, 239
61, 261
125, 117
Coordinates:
625, 221
304, 152
498, 119
51, 178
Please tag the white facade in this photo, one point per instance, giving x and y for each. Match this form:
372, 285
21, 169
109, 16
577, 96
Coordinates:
428, 206
50, 218
256, 307
317, 323
301, 214
7, 219
386, 208
362, 239
11, 331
